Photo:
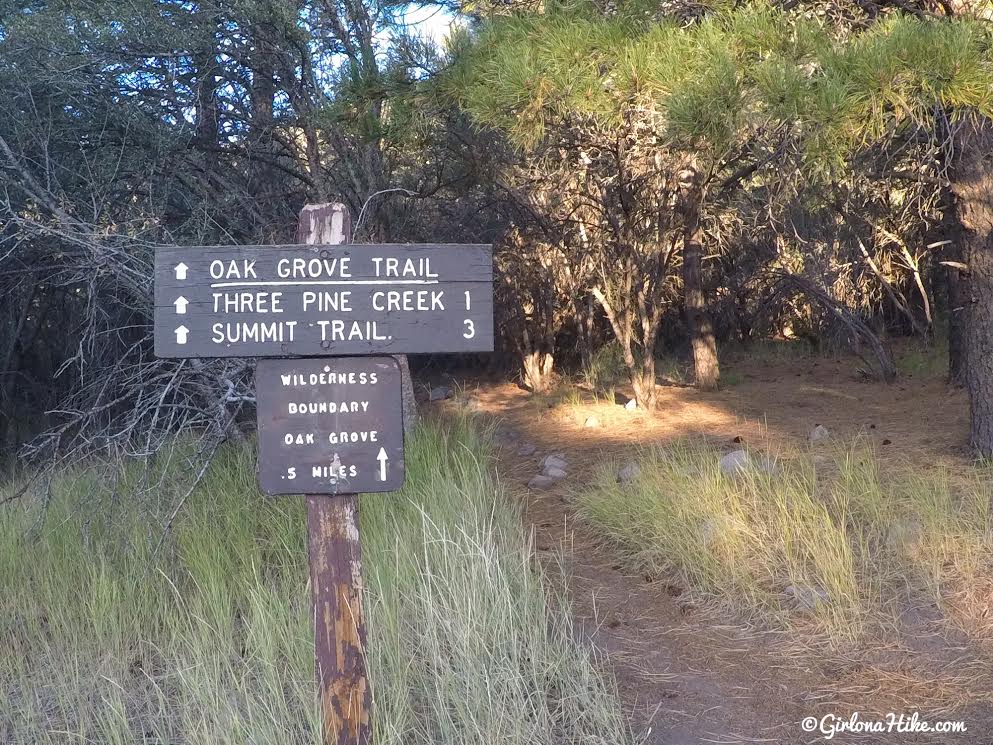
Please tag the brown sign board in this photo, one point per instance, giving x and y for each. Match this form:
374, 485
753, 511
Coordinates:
299, 301
329, 426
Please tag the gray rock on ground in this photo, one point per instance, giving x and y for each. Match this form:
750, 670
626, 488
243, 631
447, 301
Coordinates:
735, 463
628, 473
527, 448
807, 598
541, 481
591, 421
738, 462
818, 433
440, 393
505, 438
769, 466
554, 460
715, 529
904, 534
554, 473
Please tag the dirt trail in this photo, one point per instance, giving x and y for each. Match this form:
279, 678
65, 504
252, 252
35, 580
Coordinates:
688, 675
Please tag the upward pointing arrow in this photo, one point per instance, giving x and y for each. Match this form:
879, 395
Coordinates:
181, 270
181, 333
382, 458
181, 303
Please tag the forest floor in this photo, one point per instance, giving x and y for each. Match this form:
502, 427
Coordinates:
689, 671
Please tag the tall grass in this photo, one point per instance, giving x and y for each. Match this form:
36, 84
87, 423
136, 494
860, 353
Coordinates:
837, 541
103, 639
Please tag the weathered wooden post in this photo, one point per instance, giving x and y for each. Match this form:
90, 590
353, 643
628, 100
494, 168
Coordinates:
330, 223
335, 551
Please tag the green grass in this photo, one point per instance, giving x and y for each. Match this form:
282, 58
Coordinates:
210, 641
919, 360
606, 369
854, 540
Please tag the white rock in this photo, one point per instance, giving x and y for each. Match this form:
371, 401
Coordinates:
818, 433
769, 466
591, 421
628, 472
736, 462
555, 460
807, 598
541, 481
553, 472
440, 393
527, 448
631, 405
714, 529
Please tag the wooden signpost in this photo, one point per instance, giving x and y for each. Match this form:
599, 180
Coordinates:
328, 426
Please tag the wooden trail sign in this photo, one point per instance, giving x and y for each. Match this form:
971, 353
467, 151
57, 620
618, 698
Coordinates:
330, 426
307, 301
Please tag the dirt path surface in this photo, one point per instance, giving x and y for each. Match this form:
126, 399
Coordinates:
688, 675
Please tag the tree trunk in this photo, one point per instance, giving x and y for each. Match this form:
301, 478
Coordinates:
207, 68
707, 371
955, 288
643, 383
945, 283
972, 186
641, 367
538, 370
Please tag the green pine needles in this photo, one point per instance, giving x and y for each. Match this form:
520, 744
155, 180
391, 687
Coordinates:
709, 85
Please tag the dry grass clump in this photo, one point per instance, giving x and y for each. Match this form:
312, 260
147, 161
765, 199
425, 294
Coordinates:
831, 542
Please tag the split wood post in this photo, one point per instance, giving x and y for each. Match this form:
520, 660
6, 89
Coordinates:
336, 563
331, 223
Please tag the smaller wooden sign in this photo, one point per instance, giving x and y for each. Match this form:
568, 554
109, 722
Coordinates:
330, 425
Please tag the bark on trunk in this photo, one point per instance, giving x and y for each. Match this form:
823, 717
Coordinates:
538, 367
973, 190
706, 367
947, 284
643, 384
707, 372
955, 286
640, 366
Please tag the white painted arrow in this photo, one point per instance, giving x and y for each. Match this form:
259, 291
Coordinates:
181, 303
181, 270
382, 458
181, 333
